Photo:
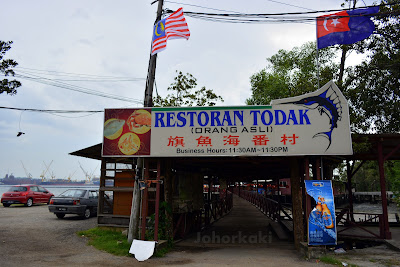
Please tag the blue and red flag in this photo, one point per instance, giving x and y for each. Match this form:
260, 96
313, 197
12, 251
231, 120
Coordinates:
345, 27
172, 27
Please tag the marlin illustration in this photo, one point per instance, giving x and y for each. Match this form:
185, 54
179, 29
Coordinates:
327, 103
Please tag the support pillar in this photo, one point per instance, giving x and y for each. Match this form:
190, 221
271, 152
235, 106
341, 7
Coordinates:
318, 168
349, 189
307, 198
168, 198
297, 209
387, 233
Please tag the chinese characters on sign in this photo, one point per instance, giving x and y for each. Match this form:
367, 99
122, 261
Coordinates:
258, 140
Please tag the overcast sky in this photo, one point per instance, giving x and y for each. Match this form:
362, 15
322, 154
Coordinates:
107, 39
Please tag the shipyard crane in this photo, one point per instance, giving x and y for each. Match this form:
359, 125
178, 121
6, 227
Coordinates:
92, 174
28, 175
45, 171
52, 175
87, 176
70, 176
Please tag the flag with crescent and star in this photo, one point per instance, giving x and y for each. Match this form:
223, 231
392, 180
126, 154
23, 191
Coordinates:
345, 27
172, 27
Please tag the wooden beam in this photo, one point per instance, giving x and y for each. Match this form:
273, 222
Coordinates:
381, 161
297, 209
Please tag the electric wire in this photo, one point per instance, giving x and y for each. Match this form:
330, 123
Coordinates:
288, 17
52, 110
210, 8
63, 85
75, 76
286, 4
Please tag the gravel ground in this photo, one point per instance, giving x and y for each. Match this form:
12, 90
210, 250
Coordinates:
35, 237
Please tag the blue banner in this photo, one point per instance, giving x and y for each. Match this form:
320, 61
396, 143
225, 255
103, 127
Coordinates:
321, 221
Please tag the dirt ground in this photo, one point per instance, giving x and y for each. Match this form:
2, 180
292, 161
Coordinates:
35, 237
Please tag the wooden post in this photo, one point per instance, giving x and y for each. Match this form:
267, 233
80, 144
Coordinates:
100, 208
148, 94
318, 167
133, 232
349, 189
297, 209
168, 198
156, 218
307, 177
145, 201
388, 234
148, 102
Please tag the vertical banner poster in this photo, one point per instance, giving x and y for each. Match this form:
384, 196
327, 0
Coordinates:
321, 221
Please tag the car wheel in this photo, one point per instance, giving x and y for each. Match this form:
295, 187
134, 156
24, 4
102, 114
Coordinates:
87, 214
6, 205
60, 215
29, 202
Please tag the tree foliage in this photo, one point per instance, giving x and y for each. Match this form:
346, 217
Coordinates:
373, 87
6, 67
292, 73
185, 93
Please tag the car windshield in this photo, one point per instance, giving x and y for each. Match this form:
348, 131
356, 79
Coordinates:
18, 189
73, 193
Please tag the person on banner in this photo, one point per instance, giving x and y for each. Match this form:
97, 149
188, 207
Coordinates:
345, 27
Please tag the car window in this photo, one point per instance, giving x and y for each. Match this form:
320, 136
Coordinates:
34, 189
41, 189
73, 193
93, 194
18, 189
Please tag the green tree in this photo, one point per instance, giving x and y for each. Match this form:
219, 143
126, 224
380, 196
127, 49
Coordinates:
185, 93
6, 67
394, 179
373, 87
292, 73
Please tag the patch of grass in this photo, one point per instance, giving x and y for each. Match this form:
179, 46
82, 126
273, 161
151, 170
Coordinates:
391, 262
161, 252
113, 242
330, 260
334, 261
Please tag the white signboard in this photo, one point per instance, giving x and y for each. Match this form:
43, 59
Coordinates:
313, 124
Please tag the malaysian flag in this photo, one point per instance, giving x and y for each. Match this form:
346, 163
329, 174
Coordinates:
172, 27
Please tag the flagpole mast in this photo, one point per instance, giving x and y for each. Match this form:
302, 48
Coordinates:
317, 54
148, 93
133, 231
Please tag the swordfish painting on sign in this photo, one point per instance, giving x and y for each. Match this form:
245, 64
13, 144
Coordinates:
316, 123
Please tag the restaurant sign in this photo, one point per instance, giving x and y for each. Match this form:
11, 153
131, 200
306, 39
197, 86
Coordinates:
312, 124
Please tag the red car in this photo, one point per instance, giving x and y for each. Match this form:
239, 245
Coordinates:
26, 194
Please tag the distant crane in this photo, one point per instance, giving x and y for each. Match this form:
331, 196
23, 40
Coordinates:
52, 175
71, 175
87, 176
28, 175
43, 175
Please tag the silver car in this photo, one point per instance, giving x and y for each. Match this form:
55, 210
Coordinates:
82, 202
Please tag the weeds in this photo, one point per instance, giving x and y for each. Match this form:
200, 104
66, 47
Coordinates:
111, 241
